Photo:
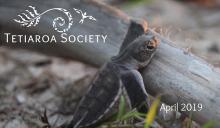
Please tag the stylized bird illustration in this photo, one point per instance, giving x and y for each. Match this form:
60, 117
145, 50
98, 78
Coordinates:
84, 16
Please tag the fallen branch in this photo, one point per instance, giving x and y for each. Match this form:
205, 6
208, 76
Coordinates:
176, 73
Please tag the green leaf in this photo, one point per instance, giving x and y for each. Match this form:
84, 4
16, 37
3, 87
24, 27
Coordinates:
121, 109
209, 124
152, 112
131, 114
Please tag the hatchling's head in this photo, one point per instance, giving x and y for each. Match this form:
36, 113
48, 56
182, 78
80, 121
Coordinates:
144, 48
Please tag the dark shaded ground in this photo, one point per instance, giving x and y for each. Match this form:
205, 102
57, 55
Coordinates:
30, 83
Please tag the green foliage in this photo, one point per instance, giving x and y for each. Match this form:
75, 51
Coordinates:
130, 3
209, 124
121, 109
131, 114
122, 116
152, 112
137, 1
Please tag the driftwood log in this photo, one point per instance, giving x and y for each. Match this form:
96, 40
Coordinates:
174, 72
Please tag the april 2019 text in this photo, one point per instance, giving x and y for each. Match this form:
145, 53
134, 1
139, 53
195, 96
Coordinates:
182, 107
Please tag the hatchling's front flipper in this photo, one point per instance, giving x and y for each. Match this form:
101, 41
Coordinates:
100, 98
134, 85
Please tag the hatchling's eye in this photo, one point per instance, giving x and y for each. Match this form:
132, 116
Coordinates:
150, 45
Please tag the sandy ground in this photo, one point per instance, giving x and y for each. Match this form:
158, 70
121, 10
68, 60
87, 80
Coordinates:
31, 83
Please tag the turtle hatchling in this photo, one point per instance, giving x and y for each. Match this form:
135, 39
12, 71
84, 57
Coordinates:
120, 72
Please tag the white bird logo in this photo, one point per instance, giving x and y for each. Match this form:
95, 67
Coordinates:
84, 16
